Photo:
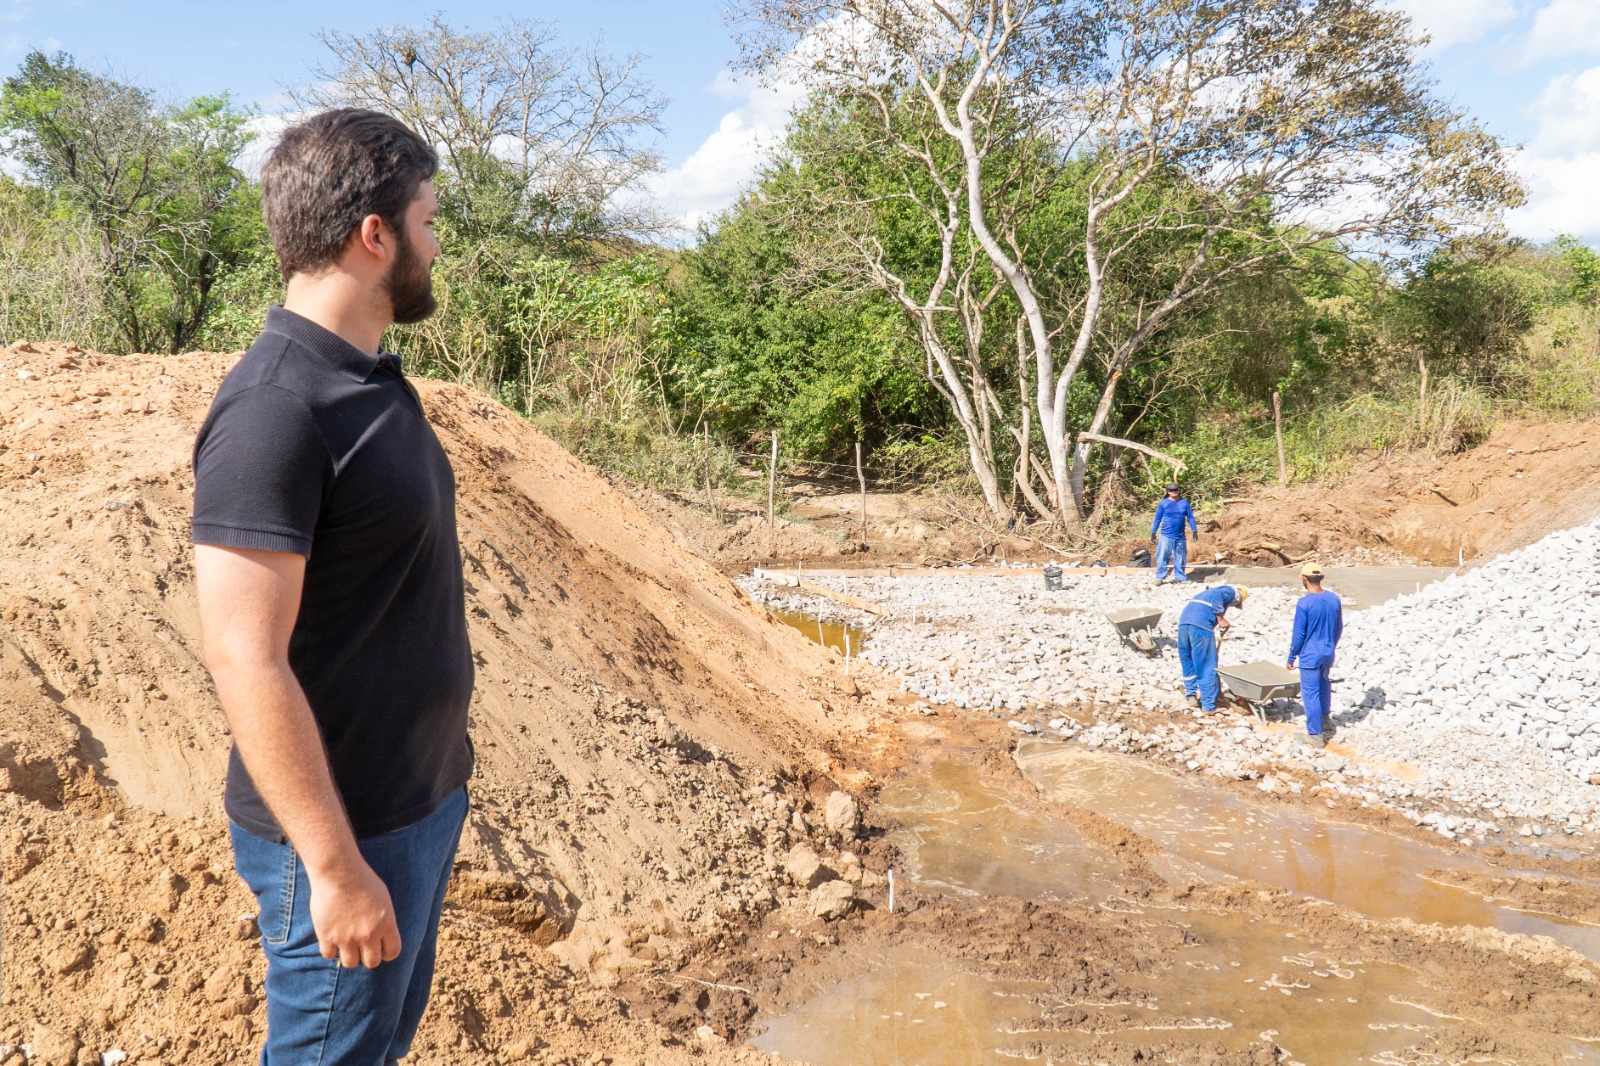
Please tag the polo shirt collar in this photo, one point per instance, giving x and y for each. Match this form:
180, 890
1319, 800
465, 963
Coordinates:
327, 344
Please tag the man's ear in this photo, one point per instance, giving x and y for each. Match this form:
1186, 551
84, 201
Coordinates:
375, 237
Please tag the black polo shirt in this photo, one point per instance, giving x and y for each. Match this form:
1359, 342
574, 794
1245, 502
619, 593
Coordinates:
316, 448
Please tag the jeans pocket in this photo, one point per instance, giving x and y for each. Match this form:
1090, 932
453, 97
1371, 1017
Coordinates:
270, 870
276, 926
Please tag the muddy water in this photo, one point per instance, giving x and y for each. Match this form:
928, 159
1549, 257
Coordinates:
1236, 981
829, 634
965, 838
906, 1010
1207, 832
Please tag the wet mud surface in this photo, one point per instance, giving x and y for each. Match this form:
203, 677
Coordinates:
1064, 906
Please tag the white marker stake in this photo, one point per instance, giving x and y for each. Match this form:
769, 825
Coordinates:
891, 890
847, 653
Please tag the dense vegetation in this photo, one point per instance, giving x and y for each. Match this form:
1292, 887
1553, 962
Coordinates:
133, 226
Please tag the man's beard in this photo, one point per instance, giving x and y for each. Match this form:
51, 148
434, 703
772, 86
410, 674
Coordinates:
409, 284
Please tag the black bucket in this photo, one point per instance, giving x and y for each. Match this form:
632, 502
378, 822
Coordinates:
1052, 578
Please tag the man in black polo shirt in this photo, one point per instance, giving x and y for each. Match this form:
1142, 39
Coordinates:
331, 602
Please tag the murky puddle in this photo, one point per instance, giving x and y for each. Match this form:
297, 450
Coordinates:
1240, 981
830, 634
904, 1011
1209, 832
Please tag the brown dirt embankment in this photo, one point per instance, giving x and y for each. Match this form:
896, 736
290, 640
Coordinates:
647, 737
1526, 481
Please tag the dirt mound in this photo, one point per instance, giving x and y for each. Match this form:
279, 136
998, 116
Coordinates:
1527, 480
646, 736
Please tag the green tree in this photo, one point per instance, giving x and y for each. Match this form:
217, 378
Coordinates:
757, 352
1273, 126
158, 186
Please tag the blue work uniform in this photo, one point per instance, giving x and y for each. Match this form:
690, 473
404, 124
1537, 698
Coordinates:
1318, 625
1197, 643
1171, 546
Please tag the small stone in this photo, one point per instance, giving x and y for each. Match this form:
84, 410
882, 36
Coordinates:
831, 900
69, 959
51, 1047
841, 814
805, 868
224, 983
710, 1037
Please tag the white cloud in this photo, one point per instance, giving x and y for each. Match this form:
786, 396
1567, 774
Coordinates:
1561, 164
727, 160
1569, 115
267, 127
1453, 22
1564, 27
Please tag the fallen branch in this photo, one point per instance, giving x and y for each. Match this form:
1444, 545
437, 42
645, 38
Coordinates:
1178, 465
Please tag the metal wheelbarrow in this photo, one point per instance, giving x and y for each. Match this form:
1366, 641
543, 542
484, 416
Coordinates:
1137, 625
1259, 683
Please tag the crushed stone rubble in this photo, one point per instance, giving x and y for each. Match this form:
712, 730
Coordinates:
1484, 684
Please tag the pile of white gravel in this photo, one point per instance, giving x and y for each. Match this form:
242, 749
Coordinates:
1005, 644
1497, 668
1486, 684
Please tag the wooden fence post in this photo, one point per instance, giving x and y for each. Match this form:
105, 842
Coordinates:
862, 478
711, 494
1277, 431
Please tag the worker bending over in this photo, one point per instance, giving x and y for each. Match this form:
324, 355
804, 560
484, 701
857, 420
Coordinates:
1168, 532
1318, 625
1197, 641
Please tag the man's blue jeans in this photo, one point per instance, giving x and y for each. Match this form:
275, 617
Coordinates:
1316, 692
1174, 550
1197, 654
319, 1014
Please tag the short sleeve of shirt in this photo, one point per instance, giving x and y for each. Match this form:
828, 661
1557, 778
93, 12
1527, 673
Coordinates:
261, 469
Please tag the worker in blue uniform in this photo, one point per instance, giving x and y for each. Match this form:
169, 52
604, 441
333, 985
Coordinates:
1318, 625
1167, 531
1197, 641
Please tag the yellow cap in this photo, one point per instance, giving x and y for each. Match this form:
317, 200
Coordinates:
1311, 570
1244, 593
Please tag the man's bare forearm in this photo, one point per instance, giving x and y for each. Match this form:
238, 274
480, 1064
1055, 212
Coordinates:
282, 751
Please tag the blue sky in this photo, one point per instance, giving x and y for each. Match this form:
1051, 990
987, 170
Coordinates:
1530, 69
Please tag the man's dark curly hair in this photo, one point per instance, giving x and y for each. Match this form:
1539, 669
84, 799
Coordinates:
331, 171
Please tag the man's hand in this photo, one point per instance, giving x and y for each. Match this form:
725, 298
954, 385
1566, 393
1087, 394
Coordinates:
1289, 665
1224, 623
354, 917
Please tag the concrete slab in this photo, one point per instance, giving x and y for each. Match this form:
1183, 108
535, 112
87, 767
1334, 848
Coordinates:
1358, 586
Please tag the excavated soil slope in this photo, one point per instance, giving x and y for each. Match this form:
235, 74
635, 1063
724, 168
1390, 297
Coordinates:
637, 720
1526, 481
